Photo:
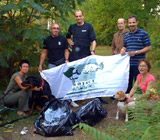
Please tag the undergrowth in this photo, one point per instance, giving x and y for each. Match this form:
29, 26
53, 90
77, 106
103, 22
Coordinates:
144, 123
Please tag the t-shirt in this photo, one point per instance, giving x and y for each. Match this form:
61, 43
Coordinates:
55, 47
143, 85
82, 35
82, 38
12, 86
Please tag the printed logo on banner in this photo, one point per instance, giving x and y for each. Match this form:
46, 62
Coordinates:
83, 75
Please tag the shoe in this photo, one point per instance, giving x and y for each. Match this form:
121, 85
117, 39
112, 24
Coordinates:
102, 100
74, 104
21, 113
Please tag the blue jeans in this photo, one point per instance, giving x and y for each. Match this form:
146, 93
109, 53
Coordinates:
133, 72
51, 66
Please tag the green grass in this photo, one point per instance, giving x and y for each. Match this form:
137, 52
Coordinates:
103, 50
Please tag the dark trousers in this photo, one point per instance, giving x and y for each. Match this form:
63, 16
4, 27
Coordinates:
133, 72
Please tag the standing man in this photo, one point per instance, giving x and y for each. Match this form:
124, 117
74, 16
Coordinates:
137, 44
83, 35
117, 42
57, 48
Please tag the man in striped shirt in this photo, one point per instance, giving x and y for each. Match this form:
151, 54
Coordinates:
137, 44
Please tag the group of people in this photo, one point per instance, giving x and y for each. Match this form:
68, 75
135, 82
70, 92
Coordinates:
136, 43
80, 37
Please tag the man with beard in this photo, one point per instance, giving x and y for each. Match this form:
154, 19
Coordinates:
137, 44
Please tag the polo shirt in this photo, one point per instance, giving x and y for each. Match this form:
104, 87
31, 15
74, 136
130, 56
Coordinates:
135, 42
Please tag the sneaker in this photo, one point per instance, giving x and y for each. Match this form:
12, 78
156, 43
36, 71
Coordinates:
74, 104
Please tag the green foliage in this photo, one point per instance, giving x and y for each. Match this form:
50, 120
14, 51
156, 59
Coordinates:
103, 15
23, 27
95, 133
144, 122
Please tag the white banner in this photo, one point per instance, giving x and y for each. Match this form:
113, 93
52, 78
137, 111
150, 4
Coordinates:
93, 76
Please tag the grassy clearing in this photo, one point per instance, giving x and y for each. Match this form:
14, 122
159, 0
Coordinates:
110, 128
103, 50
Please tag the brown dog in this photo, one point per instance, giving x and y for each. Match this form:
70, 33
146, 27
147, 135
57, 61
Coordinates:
122, 104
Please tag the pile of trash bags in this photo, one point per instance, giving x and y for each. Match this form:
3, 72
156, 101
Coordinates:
57, 118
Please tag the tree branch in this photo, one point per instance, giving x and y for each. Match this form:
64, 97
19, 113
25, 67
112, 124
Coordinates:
29, 19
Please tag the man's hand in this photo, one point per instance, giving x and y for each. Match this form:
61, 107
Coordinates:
66, 61
39, 68
71, 43
37, 89
123, 51
132, 53
93, 52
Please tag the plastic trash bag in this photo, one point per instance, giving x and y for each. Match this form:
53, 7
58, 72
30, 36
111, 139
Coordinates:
91, 113
56, 119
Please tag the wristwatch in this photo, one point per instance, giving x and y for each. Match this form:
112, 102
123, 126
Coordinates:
136, 52
93, 51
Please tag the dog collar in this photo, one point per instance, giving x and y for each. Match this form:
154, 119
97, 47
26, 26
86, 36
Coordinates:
42, 82
125, 99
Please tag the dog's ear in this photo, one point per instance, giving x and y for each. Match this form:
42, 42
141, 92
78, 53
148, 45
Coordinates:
36, 80
122, 95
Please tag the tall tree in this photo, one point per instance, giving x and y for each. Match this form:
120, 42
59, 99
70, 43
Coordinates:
23, 26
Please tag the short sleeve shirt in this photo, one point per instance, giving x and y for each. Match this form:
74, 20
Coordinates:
12, 86
55, 47
143, 85
82, 35
135, 42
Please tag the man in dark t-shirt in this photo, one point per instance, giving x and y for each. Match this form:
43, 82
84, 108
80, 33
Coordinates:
56, 47
83, 35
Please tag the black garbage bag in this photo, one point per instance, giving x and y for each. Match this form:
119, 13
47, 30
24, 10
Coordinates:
56, 119
91, 113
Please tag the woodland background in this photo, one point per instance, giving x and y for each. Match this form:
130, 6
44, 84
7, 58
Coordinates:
24, 25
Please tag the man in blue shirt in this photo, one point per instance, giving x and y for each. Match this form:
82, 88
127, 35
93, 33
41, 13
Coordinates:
137, 44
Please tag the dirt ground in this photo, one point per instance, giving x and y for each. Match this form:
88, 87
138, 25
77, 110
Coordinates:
78, 134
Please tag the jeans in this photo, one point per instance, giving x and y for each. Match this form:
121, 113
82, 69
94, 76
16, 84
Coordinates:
51, 66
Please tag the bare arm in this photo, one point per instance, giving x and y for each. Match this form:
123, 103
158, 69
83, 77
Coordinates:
42, 58
19, 82
66, 55
149, 86
144, 50
93, 47
131, 94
